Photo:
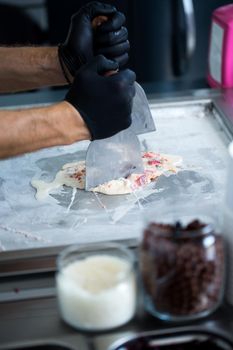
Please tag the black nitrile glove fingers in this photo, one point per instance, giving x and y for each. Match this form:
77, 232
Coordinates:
113, 24
124, 81
109, 35
101, 65
87, 37
122, 60
96, 8
113, 45
92, 10
78, 46
111, 38
106, 66
114, 51
123, 78
104, 102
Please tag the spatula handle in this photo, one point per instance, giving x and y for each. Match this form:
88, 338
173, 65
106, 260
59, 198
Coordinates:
97, 21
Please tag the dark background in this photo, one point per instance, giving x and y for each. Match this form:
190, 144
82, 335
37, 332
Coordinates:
155, 34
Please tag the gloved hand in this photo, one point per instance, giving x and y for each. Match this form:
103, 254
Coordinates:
111, 39
84, 41
104, 102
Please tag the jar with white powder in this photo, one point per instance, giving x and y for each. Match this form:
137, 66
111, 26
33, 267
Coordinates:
96, 286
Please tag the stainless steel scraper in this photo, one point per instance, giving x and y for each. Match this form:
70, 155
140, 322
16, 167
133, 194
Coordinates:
142, 120
113, 158
120, 155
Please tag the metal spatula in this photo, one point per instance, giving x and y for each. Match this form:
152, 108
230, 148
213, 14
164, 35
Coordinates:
113, 158
142, 120
120, 155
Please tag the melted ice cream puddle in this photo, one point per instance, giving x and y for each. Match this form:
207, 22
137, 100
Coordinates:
73, 175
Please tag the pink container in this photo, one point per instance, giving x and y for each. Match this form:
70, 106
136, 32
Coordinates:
220, 62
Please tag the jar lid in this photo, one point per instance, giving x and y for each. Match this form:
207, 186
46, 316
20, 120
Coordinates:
193, 229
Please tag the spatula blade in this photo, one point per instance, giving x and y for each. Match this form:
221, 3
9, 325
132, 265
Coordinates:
113, 158
142, 120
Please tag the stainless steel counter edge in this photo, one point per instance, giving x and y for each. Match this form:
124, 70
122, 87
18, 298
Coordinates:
37, 259
48, 96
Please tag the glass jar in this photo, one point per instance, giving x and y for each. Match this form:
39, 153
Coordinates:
96, 286
182, 269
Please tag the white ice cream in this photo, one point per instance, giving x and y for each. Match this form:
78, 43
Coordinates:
74, 174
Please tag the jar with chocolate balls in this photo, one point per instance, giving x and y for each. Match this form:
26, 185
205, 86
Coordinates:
182, 268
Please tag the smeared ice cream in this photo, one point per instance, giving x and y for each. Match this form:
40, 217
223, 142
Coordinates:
73, 175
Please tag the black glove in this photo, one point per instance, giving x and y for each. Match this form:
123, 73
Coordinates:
104, 102
83, 41
111, 39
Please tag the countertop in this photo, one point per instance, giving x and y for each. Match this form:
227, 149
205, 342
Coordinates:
187, 126
28, 306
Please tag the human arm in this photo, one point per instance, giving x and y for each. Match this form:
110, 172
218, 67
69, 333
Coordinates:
96, 106
26, 68
31, 129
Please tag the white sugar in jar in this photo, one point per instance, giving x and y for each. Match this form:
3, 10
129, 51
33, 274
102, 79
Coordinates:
96, 286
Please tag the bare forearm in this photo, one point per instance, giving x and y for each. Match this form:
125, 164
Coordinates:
32, 129
26, 68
